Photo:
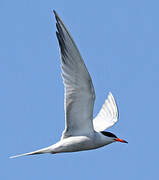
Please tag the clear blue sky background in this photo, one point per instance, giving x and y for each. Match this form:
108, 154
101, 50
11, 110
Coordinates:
119, 41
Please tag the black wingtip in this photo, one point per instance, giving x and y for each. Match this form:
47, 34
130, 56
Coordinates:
56, 15
54, 12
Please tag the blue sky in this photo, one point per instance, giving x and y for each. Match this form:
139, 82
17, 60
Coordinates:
119, 44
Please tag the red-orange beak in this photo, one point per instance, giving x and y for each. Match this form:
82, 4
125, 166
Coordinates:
120, 140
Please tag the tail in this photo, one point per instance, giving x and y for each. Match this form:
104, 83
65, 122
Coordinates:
40, 151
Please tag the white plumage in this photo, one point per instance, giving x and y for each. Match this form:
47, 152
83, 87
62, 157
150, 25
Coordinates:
107, 116
82, 132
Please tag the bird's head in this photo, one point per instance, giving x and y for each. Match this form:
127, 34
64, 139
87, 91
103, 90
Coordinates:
113, 137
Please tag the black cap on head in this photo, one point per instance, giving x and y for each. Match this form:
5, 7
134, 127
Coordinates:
109, 134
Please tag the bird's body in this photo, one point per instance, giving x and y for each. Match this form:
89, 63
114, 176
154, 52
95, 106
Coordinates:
82, 132
74, 144
81, 143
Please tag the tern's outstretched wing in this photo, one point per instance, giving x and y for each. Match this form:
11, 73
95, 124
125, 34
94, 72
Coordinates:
79, 91
107, 116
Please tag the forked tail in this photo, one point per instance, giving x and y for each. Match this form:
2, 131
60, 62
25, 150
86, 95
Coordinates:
40, 151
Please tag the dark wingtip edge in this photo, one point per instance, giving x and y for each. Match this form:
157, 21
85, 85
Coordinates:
56, 15
54, 12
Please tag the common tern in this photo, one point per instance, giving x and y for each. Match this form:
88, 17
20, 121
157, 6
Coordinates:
82, 132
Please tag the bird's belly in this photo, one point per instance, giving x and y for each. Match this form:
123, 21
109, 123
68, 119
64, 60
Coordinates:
77, 143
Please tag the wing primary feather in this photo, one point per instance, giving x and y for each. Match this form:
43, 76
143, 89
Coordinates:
62, 47
107, 116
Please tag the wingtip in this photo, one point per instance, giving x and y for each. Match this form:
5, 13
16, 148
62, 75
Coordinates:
54, 12
110, 94
115, 103
56, 15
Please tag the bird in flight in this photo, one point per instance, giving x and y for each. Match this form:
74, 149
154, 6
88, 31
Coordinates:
82, 132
